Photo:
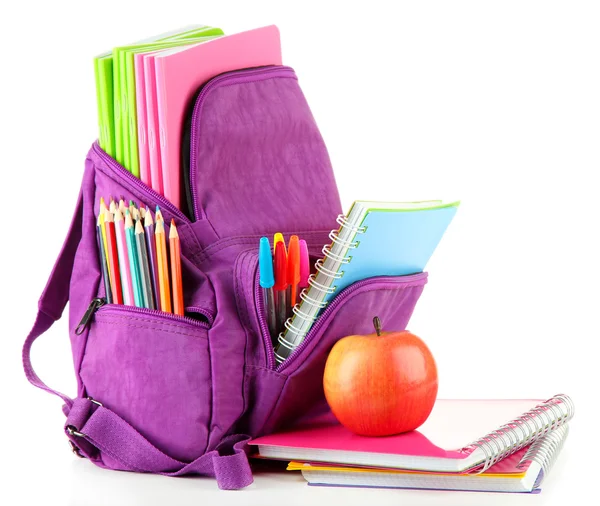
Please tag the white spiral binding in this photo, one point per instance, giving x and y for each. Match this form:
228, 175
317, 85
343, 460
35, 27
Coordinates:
330, 275
524, 430
545, 451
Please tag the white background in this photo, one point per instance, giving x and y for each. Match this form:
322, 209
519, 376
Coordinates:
494, 103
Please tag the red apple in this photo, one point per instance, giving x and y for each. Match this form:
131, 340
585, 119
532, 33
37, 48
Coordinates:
381, 384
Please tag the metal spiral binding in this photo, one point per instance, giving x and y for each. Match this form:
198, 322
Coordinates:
524, 430
546, 450
334, 235
311, 306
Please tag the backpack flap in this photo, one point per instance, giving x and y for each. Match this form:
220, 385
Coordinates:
257, 162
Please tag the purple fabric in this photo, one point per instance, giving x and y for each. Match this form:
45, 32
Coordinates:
260, 155
181, 397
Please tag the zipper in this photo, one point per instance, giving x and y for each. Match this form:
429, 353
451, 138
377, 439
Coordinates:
323, 317
87, 316
234, 77
163, 202
98, 303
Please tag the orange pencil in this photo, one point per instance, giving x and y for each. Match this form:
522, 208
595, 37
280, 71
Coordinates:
176, 280
163, 267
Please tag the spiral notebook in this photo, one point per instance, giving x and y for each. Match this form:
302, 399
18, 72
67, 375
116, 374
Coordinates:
374, 239
522, 471
459, 436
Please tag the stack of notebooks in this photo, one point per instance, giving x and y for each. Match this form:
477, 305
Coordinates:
144, 91
475, 445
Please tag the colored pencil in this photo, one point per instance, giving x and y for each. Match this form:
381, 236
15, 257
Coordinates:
131, 206
176, 278
158, 215
134, 268
151, 247
145, 277
113, 258
102, 215
122, 205
135, 215
113, 206
142, 212
163, 267
124, 265
103, 264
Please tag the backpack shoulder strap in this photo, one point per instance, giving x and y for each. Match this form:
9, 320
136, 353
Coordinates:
91, 427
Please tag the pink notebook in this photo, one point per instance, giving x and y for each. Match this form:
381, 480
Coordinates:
154, 159
444, 443
142, 119
179, 74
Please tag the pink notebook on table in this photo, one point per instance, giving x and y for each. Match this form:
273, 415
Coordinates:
179, 74
458, 436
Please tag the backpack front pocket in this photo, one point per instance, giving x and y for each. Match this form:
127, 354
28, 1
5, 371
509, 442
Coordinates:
391, 298
152, 369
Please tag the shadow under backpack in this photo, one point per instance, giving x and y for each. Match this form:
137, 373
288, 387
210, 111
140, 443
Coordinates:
161, 393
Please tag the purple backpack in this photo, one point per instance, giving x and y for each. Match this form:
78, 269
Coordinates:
175, 395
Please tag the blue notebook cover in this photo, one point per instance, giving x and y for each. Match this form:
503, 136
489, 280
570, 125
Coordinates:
396, 242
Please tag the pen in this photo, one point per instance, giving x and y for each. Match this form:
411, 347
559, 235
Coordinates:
280, 285
293, 271
304, 264
267, 280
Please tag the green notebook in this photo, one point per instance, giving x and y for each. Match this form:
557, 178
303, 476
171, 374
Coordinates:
129, 125
103, 68
112, 95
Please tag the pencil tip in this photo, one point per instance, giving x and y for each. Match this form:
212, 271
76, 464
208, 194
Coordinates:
173, 230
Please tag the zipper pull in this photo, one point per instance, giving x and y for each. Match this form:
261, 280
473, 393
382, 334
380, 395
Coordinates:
94, 305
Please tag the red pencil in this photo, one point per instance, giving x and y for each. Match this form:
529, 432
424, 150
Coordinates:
113, 257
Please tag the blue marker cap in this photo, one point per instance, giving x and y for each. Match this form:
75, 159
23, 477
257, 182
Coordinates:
265, 264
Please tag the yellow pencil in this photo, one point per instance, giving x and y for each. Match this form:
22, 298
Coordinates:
103, 208
163, 267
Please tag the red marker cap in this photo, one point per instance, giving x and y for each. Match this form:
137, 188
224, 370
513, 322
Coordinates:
280, 267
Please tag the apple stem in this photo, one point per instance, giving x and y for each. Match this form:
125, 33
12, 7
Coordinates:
377, 325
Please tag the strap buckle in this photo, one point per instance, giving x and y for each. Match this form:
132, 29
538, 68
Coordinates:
76, 450
72, 430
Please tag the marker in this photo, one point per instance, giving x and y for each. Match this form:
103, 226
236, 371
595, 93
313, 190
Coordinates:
280, 285
267, 280
304, 264
293, 271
